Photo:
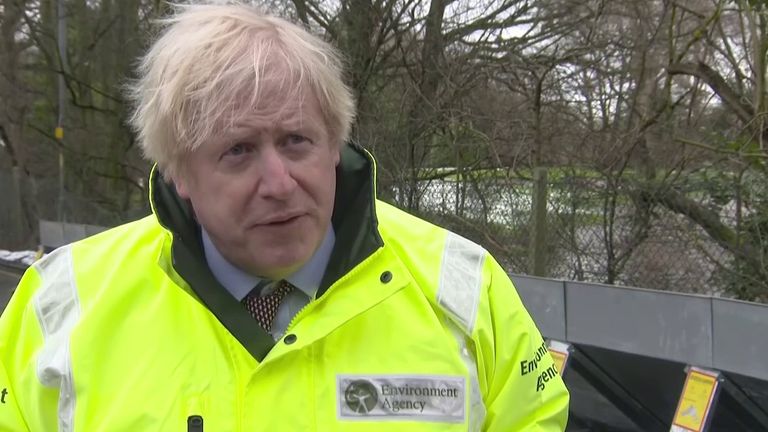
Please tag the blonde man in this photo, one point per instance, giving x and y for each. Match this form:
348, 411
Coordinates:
269, 290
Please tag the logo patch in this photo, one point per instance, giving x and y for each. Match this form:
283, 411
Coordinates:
401, 397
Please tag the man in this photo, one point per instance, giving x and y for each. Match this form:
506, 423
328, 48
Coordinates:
269, 290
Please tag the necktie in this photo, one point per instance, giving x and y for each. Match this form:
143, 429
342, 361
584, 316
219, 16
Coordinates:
263, 301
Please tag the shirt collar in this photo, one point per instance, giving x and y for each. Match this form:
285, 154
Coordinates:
239, 283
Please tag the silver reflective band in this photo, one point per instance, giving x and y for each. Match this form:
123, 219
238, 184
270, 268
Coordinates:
58, 310
477, 411
401, 397
461, 276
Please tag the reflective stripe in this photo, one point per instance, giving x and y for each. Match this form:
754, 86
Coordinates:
477, 411
58, 310
461, 278
461, 274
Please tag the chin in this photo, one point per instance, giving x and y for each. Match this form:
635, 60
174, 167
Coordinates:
284, 265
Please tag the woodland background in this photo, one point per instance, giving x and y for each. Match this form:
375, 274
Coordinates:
615, 141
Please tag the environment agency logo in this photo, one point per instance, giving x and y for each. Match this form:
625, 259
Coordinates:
432, 398
361, 396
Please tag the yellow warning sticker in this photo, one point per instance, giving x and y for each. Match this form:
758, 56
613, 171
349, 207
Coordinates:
559, 359
59, 133
696, 400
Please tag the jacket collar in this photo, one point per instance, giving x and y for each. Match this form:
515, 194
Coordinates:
354, 221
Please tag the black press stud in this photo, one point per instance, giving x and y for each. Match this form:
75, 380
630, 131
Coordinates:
386, 276
289, 339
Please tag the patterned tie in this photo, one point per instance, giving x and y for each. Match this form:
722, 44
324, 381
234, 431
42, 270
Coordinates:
263, 301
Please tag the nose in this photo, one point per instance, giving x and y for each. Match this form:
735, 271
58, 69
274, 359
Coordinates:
275, 178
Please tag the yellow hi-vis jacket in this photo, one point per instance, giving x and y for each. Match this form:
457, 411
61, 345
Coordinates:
413, 329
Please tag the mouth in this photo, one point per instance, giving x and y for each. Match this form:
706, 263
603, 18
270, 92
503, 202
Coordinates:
281, 220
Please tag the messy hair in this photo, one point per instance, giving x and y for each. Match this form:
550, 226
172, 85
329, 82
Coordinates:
213, 62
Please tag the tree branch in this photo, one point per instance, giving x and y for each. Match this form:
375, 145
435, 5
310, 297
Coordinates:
710, 222
8, 146
730, 97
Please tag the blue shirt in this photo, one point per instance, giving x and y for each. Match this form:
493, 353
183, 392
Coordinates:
307, 279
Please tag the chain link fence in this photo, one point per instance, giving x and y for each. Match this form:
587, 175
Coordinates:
27, 200
597, 230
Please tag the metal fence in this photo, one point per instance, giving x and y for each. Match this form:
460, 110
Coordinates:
594, 231
19, 218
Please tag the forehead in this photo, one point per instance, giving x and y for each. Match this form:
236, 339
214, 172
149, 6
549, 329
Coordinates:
275, 115
293, 109
273, 89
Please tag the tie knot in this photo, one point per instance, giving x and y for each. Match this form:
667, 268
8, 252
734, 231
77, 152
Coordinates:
264, 300
266, 287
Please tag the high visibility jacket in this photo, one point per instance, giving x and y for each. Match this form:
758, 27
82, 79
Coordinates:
414, 328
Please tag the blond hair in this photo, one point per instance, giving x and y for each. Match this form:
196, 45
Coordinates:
212, 63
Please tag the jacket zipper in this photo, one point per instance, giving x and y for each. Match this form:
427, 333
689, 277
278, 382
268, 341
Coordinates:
299, 313
351, 273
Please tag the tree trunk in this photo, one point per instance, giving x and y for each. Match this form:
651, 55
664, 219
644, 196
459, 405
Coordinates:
13, 114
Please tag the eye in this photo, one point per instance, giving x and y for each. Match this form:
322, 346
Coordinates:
293, 139
238, 149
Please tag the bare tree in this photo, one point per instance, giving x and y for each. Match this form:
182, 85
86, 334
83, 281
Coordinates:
14, 111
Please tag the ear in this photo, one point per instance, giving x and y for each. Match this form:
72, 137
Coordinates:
337, 157
181, 187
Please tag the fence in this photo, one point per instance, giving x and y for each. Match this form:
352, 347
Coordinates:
595, 230
19, 217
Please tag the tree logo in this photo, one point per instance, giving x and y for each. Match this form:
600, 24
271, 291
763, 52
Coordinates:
361, 396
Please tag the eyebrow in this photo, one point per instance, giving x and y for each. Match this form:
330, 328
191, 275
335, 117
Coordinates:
241, 130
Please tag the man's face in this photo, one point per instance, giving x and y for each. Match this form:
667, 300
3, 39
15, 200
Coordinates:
264, 190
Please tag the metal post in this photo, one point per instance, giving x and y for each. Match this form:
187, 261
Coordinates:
59, 133
538, 232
